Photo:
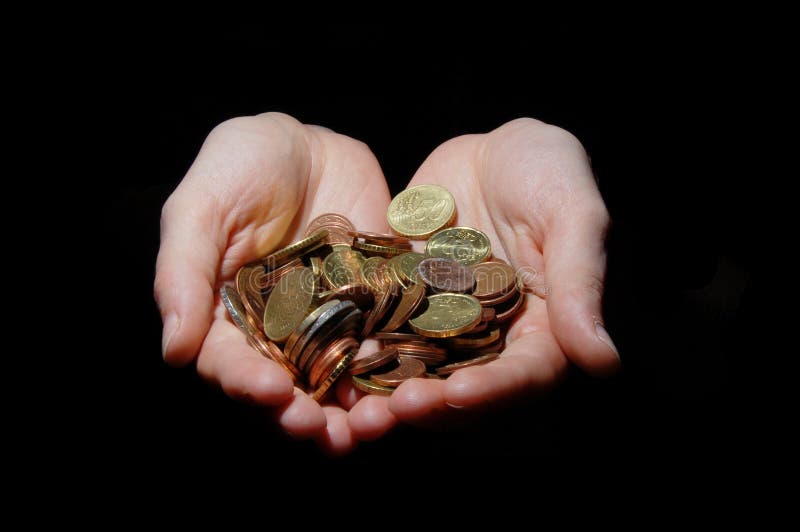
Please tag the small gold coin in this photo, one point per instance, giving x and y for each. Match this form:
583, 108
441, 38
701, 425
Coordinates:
447, 315
420, 211
342, 267
463, 244
368, 386
372, 275
275, 259
288, 304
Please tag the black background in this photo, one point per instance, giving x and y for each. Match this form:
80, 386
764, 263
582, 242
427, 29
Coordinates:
652, 105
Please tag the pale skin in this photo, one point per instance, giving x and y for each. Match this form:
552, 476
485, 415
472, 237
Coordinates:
258, 181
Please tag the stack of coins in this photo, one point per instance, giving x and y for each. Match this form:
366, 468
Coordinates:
308, 306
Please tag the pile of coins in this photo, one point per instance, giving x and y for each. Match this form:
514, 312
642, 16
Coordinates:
309, 305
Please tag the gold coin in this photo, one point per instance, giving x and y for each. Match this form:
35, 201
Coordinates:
291, 251
385, 251
372, 275
342, 267
420, 211
447, 315
288, 303
368, 386
463, 244
406, 266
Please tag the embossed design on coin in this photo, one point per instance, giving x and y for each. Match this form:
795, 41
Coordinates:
447, 315
342, 267
445, 275
493, 280
464, 244
421, 210
337, 226
288, 303
292, 251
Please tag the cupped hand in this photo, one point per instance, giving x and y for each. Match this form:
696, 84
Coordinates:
254, 186
530, 188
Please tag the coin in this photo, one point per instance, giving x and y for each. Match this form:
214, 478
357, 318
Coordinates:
409, 302
330, 358
382, 305
493, 279
292, 251
371, 274
342, 267
322, 323
450, 368
331, 377
379, 238
360, 294
377, 249
370, 387
445, 275
306, 322
475, 341
407, 369
337, 226
447, 315
367, 363
397, 336
487, 314
233, 303
247, 285
509, 309
502, 298
421, 211
404, 267
464, 244
288, 304
350, 325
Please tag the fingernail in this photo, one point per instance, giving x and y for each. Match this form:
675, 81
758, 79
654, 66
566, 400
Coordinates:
603, 336
170, 328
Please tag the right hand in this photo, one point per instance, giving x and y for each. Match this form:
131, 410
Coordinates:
254, 186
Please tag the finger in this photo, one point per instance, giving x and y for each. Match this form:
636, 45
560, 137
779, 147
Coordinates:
346, 393
575, 263
418, 399
301, 416
371, 418
337, 439
532, 363
184, 285
242, 372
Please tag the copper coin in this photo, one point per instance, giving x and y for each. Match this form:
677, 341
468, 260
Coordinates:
493, 279
326, 363
475, 341
509, 309
372, 361
487, 313
360, 294
324, 322
411, 299
408, 369
477, 361
247, 286
305, 324
502, 298
379, 238
337, 226
445, 275
496, 347
408, 347
398, 336
377, 249
382, 306
350, 325
480, 327
337, 371
428, 360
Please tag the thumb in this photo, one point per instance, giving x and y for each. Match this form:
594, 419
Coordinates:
575, 264
186, 270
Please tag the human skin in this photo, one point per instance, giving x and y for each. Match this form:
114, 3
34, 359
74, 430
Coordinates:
258, 181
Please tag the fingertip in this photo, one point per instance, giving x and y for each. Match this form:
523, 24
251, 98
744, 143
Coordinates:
467, 387
302, 417
337, 439
261, 382
416, 398
371, 418
347, 394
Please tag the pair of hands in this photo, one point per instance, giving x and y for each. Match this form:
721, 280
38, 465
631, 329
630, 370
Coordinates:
258, 181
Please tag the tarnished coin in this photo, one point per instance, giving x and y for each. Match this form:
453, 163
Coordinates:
332, 376
248, 279
447, 315
407, 369
410, 300
450, 368
445, 275
337, 226
377, 249
295, 250
464, 244
342, 267
367, 363
493, 279
288, 304
370, 387
421, 211
360, 294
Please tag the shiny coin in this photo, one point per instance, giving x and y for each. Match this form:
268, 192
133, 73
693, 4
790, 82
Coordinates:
304, 324
404, 266
383, 304
337, 226
360, 294
331, 377
421, 211
407, 369
376, 249
295, 250
445, 275
471, 341
493, 279
397, 336
410, 301
342, 267
372, 275
350, 325
288, 304
370, 387
447, 315
379, 238
233, 303
509, 309
450, 368
364, 364
248, 279
464, 244
321, 325
330, 358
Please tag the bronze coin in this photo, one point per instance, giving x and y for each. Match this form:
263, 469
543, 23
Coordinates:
445, 275
477, 361
428, 360
379, 238
398, 336
372, 361
338, 370
382, 305
411, 299
377, 249
408, 369
509, 309
370, 387
478, 328
408, 347
305, 324
326, 321
350, 325
502, 298
472, 341
247, 286
328, 360
360, 294
493, 279
337, 226
487, 313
